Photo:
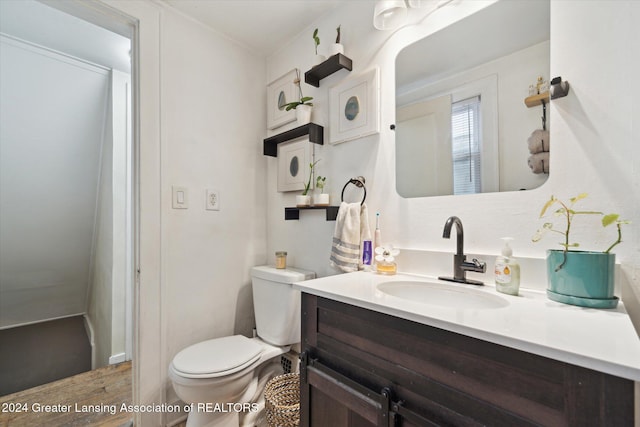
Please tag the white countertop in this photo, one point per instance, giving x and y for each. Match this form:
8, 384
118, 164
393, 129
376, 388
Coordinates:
598, 339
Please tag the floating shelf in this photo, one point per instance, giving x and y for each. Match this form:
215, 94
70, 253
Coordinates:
535, 100
315, 132
294, 213
335, 63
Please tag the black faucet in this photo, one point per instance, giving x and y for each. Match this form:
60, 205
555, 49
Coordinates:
460, 264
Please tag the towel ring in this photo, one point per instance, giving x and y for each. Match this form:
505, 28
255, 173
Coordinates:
358, 182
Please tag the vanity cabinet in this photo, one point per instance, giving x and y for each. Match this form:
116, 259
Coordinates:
364, 368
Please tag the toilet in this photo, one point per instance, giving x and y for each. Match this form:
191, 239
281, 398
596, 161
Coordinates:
223, 378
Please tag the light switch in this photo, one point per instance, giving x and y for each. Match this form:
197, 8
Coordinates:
180, 197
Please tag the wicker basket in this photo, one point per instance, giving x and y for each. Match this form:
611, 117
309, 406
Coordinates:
282, 400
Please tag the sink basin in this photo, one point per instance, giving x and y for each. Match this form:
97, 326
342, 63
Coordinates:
437, 294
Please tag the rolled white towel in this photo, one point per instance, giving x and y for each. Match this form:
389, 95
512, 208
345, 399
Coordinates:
539, 163
538, 141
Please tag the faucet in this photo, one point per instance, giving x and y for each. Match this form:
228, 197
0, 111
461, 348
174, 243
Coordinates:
460, 263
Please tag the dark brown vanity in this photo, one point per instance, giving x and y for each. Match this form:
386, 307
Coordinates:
364, 368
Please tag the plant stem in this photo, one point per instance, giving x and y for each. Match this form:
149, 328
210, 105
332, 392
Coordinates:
618, 225
564, 260
566, 234
299, 84
566, 237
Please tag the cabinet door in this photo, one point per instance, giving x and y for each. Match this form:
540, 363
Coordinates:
331, 399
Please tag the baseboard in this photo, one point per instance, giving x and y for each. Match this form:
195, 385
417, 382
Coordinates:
117, 358
175, 418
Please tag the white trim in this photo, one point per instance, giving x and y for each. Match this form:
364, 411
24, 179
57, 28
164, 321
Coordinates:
54, 54
90, 334
143, 22
35, 322
149, 371
96, 14
117, 358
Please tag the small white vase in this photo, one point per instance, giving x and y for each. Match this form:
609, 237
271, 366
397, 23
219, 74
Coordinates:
303, 201
303, 114
335, 49
319, 59
321, 200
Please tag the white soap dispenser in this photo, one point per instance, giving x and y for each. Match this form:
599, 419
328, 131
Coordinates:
507, 270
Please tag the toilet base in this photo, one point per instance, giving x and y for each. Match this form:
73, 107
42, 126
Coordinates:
221, 415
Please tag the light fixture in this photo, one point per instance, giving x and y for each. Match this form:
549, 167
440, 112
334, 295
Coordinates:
392, 14
389, 14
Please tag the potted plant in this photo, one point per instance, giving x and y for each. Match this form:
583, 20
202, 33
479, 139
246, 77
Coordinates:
336, 47
304, 199
303, 106
583, 278
316, 42
321, 199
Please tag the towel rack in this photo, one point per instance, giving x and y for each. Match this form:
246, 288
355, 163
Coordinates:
541, 99
358, 182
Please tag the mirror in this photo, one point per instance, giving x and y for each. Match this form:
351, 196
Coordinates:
461, 122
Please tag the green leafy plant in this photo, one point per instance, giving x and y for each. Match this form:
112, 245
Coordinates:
320, 181
308, 184
338, 35
316, 39
304, 100
567, 211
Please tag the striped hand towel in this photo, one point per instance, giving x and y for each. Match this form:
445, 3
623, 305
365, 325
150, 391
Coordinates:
352, 227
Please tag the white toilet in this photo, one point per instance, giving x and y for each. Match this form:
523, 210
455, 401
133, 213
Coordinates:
223, 373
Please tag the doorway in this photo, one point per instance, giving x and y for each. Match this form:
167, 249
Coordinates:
67, 183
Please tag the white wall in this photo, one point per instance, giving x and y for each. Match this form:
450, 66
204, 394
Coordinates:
213, 115
201, 104
53, 109
591, 129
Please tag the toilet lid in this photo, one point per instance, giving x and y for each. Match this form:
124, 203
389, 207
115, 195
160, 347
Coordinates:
220, 355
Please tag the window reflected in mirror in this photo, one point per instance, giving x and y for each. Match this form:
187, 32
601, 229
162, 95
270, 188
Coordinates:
462, 126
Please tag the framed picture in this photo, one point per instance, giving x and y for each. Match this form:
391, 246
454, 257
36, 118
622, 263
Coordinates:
293, 164
354, 107
279, 93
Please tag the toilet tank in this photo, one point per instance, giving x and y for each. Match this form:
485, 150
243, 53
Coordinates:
276, 304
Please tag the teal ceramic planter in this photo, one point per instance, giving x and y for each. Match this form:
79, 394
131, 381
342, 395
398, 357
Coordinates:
586, 278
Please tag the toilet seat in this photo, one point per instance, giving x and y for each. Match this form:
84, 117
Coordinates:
217, 357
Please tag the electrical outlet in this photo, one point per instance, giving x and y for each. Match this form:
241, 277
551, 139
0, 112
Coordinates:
213, 200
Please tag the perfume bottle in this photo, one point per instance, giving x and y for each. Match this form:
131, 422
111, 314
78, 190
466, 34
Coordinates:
386, 267
385, 260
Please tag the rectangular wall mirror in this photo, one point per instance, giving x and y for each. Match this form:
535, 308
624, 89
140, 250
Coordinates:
461, 122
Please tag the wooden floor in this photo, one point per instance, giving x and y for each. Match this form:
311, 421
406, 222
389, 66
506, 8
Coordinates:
89, 398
